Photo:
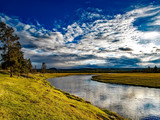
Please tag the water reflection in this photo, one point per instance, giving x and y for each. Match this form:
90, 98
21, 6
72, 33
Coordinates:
128, 101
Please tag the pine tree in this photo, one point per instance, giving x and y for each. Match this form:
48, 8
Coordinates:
149, 69
11, 48
24, 69
35, 69
29, 63
155, 69
12, 56
43, 70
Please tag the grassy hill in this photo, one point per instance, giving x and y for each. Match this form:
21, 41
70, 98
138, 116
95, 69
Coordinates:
34, 98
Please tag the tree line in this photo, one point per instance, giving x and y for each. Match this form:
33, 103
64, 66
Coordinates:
155, 69
12, 57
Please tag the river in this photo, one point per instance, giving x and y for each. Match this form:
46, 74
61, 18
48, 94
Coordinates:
137, 103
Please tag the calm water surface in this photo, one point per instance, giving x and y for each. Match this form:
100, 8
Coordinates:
128, 101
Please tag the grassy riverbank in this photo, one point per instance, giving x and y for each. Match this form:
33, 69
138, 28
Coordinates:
34, 98
136, 79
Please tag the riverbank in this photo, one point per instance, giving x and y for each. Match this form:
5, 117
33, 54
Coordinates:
136, 79
34, 98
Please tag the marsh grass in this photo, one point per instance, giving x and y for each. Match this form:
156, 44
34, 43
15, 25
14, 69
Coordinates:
34, 98
136, 79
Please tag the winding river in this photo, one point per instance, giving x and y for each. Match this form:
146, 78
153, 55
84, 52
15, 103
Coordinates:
137, 103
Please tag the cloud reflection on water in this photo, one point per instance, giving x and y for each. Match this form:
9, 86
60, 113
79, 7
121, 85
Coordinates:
128, 101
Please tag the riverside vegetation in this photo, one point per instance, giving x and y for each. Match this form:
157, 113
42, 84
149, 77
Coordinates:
34, 98
136, 79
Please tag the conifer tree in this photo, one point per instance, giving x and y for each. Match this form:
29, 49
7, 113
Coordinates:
12, 56
43, 70
24, 69
149, 69
10, 46
35, 69
29, 65
155, 69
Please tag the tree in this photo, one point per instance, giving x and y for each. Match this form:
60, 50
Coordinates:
11, 48
12, 56
149, 69
24, 69
43, 70
155, 69
29, 63
35, 69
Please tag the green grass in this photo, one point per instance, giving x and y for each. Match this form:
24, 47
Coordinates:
136, 79
34, 98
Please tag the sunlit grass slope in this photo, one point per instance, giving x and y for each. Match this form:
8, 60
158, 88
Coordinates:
35, 99
137, 79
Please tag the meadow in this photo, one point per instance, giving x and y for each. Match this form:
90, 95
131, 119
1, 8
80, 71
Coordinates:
135, 79
33, 98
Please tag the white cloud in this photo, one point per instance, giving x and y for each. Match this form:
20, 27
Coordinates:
73, 31
101, 38
26, 27
153, 35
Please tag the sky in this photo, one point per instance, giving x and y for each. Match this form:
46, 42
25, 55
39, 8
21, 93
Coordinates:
86, 33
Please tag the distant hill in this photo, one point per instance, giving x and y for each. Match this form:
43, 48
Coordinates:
96, 70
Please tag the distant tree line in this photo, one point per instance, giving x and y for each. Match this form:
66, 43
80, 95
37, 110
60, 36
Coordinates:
152, 70
107, 70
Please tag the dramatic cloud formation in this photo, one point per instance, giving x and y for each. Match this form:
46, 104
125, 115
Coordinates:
94, 40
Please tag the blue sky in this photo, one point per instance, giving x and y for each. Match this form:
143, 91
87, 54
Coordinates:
86, 33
